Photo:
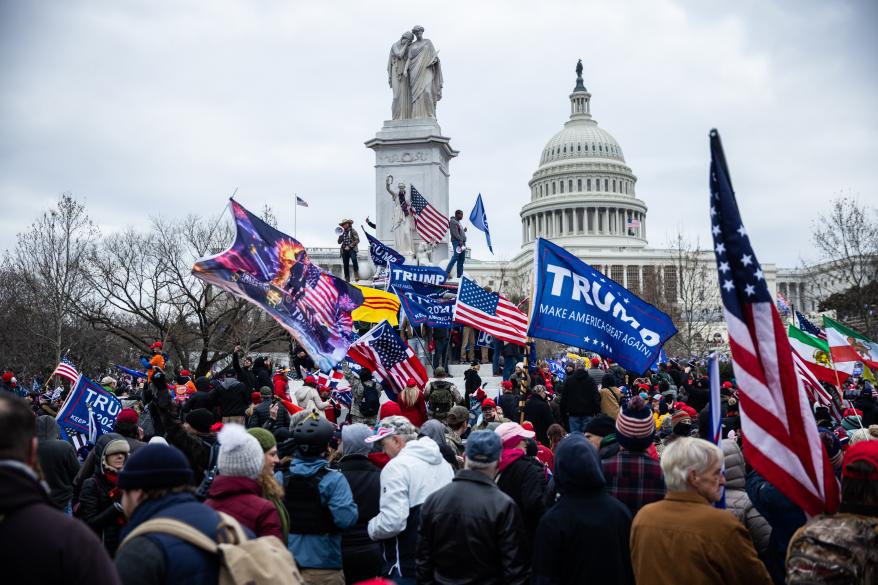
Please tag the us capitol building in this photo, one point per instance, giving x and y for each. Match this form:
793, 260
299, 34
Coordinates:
583, 196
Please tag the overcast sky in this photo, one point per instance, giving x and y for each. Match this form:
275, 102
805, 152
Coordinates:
168, 106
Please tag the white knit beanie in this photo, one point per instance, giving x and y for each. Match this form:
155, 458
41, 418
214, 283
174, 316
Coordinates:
240, 453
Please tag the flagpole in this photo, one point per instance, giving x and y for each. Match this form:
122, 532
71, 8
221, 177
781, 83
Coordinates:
295, 215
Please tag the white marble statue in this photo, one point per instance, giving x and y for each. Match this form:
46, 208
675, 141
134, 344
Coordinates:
397, 77
403, 220
424, 75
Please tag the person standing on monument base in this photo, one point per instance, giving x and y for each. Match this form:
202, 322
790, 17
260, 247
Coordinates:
349, 239
458, 246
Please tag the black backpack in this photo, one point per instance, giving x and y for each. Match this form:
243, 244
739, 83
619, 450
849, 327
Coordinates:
441, 398
370, 402
203, 490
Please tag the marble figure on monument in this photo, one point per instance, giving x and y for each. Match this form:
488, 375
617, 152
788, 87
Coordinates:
403, 220
415, 76
397, 77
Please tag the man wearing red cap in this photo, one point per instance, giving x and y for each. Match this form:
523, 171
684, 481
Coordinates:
842, 548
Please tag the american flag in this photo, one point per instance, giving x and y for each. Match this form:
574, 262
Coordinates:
431, 224
780, 438
814, 389
782, 304
301, 202
385, 353
321, 294
808, 327
489, 312
66, 370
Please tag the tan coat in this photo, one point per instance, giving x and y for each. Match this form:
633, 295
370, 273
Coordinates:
684, 539
611, 398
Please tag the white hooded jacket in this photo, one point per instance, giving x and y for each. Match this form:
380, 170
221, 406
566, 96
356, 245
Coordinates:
406, 481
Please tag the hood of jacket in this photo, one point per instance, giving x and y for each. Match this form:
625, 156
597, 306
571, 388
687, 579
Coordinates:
435, 430
734, 463
101, 444
307, 467
577, 466
47, 428
424, 449
224, 486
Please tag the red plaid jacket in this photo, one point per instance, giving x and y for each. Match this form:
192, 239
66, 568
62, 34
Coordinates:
634, 478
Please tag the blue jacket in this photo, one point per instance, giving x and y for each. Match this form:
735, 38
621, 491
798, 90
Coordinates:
323, 551
189, 564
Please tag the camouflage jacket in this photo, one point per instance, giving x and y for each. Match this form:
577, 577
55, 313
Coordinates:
834, 549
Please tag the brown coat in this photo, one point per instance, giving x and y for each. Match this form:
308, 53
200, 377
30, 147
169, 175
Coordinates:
683, 539
611, 399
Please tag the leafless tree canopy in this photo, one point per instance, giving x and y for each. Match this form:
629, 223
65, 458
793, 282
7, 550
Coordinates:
106, 299
847, 235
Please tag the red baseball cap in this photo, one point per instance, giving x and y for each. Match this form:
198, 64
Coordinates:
410, 382
489, 403
527, 425
863, 451
156, 345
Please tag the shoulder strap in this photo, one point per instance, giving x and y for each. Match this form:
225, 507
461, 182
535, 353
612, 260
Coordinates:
174, 528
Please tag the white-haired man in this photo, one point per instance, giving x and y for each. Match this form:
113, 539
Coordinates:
706, 544
416, 470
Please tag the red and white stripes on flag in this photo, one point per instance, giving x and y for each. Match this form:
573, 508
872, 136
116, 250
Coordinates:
489, 312
322, 298
66, 370
383, 351
431, 225
815, 390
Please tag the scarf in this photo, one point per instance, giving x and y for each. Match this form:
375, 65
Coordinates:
508, 456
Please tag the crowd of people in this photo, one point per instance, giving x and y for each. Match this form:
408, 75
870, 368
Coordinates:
597, 475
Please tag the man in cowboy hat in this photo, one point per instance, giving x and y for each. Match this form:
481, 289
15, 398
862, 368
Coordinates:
349, 238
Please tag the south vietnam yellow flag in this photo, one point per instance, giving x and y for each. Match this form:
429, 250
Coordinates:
377, 306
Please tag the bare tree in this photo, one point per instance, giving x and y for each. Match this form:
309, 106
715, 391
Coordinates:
50, 262
847, 236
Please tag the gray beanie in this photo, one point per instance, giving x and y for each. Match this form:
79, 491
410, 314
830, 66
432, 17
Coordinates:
240, 453
353, 439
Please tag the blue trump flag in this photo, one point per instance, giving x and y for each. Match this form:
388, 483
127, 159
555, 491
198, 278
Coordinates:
479, 219
661, 359
405, 278
576, 305
382, 255
89, 409
422, 310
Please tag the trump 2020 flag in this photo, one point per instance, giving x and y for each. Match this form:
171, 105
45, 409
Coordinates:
273, 271
576, 305
479, 219
89, 409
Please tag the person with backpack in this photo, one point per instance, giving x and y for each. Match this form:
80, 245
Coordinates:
172, 538
365, 395
319, 501
441, 395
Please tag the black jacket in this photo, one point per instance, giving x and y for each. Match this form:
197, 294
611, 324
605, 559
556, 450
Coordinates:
583, 537
539, 413
244, 375
472, 381
580, 396
470, 532
232, 398
509, 404
57, 460
196, 447
360, 554
96, 508
42, 544
263, 377
261, 417
525, 482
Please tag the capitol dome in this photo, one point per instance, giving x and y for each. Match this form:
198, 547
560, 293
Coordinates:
582, 193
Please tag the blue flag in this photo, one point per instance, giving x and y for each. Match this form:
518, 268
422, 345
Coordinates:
382, 255
479, 219
89, 409
403, 277
661, 359
576, 305
426, 310
130, 372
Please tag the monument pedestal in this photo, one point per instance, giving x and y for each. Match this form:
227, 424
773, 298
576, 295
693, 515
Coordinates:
414, 152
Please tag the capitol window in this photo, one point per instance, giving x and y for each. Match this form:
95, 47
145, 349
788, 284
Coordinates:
606, 184
614, 185
562, 186
588, 184
579, 184
554, 188
570, 186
